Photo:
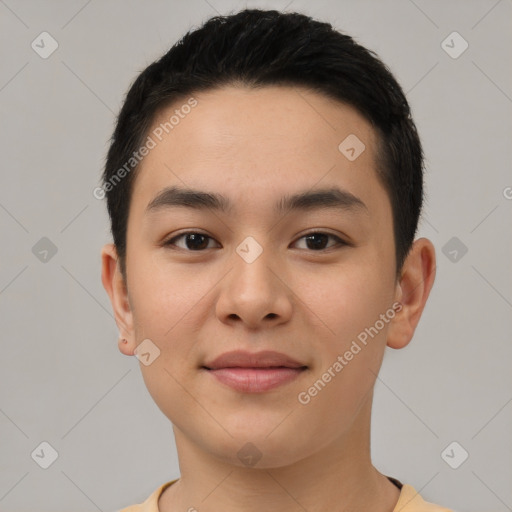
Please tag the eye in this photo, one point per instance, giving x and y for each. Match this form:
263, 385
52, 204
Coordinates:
194, 241
316, 240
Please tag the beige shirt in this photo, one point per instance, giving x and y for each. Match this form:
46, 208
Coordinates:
409, 501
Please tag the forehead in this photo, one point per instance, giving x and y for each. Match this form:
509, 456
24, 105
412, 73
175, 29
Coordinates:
254, 143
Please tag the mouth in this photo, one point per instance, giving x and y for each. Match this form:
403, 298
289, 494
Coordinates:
254, 372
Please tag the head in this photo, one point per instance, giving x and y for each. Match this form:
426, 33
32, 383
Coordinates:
294, 160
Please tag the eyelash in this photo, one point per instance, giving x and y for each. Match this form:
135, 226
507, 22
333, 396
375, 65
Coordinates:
171, 242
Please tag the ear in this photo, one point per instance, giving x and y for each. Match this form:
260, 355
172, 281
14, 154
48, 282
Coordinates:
115, 286
412, 292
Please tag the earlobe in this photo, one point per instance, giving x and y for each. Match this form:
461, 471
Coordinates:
412, 292
126, 347
115, 287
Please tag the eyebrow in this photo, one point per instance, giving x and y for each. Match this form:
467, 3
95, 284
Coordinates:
327, 198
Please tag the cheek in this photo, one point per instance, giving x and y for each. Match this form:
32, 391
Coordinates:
166, 308
350, 303
347, 361
347, 299
165, 296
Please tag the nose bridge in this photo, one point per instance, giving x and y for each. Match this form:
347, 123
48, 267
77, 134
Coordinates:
252, 291
252, 266
250, 250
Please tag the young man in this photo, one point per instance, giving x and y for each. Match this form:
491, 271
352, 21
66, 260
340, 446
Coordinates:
264, 185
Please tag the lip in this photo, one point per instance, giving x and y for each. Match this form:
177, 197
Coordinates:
243, 359
254, 372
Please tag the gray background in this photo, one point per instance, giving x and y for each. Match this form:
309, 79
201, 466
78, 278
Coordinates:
63, 379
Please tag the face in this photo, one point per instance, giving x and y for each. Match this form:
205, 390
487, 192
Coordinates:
312, 280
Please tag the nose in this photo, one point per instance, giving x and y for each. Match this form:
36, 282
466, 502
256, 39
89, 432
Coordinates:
255, 293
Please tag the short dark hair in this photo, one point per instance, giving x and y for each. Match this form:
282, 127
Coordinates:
257, 48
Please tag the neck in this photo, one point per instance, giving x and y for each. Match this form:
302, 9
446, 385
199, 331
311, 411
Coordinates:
338, 477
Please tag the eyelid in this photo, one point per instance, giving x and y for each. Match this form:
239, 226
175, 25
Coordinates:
167, 242
340, 242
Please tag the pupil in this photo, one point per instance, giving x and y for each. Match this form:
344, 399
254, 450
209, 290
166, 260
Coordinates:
316, 245
195, 238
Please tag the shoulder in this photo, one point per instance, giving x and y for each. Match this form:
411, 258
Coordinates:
151, 503
410, 500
